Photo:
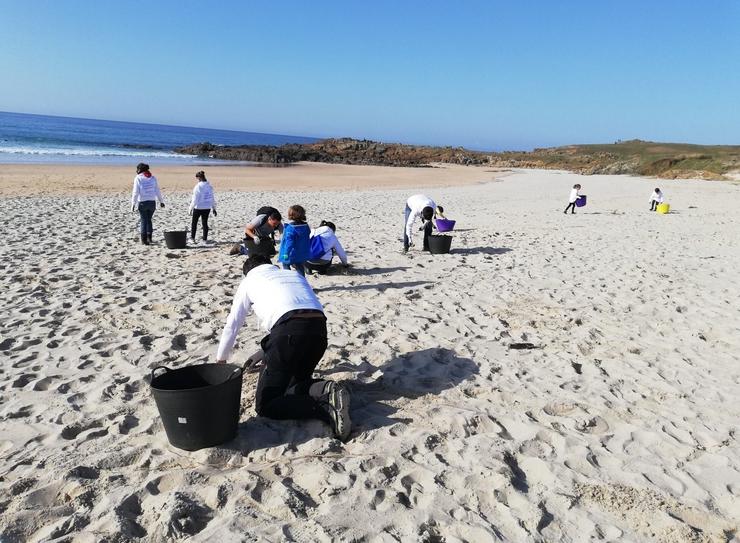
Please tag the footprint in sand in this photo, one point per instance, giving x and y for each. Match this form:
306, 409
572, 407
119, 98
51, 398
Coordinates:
595, 425
71, 431
558, 409
23, 380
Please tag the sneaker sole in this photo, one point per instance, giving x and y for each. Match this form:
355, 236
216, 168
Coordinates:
339, 400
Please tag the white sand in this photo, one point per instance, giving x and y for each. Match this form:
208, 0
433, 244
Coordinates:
622, 425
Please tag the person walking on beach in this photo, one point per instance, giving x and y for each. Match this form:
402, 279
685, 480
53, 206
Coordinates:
143, 197
419, 206
259, 234
290, 312
295, 244
324, 237
201, 204
656, 198
574, 194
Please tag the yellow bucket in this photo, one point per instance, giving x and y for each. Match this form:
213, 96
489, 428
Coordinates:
663, 208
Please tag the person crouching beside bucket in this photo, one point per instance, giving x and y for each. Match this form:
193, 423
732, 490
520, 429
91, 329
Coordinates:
288, 309
419, 206
656, 198
143, 197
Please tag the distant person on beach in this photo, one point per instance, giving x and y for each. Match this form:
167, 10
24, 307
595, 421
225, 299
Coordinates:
419, 206
574, 194
324, 237
295, 244
201, 204
288, 309
143, 197
655, 199
259, 234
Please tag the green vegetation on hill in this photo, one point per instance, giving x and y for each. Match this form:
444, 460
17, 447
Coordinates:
634, 157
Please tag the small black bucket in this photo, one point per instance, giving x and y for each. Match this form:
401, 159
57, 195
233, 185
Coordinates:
176, 239
199, 405
439, 245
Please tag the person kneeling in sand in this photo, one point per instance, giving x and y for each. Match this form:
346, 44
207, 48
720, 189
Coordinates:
656, 198
288, 309
325, 240
419, 206
259, 234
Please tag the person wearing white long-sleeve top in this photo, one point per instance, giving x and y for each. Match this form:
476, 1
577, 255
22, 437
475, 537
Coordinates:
288, 309
326, 233
201, 204
419, 206
574, 195
656, 198
143, 197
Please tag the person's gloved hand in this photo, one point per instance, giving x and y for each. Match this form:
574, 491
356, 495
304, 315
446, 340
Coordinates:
214, 213
161, 204
190, 212
257, 240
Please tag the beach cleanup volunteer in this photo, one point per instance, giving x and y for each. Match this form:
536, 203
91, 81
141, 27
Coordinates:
419, 206
290, 312
143, 196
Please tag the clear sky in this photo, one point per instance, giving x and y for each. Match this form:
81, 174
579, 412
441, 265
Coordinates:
483, 74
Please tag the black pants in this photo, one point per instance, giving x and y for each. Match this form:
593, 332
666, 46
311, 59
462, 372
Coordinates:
203, 215
653, 205
319, 266
292, 351
571, 206
427, 232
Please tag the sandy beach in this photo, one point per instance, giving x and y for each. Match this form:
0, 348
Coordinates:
554, 378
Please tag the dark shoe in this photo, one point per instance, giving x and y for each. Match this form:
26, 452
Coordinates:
336, 403
235, 249
144, 239
149, 239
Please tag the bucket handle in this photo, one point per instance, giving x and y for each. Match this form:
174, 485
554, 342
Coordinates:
158, 368
241, 371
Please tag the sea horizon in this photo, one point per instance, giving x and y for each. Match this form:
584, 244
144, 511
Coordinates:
29, 138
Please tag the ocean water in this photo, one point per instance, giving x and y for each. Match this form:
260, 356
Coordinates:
26, 138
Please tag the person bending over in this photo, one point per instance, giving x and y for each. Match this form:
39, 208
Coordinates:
288, 309
325, 237
259, 234
656, 198
419, 206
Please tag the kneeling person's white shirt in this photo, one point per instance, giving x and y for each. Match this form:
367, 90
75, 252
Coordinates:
272, 292
329, 242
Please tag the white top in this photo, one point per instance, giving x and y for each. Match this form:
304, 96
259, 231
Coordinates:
272, 292
657, 197
416, 204
146, 189
203, 197
573, 195
330, 242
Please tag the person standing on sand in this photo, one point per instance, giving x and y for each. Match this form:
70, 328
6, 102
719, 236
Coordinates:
144, 195
574, 194
656, 198
288, 309
295, 245
419, 206
201, 204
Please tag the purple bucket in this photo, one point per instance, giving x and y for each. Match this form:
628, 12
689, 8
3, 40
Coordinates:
445, 225
581, 201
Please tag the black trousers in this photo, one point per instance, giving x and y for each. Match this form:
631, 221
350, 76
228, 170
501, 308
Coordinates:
203, 215
571, 206
292, 351
653, 205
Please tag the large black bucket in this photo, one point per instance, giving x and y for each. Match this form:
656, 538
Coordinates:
176, 239
199, 405
439, 245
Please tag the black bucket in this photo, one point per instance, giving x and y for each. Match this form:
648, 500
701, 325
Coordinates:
199, 405
176, 239
439, 245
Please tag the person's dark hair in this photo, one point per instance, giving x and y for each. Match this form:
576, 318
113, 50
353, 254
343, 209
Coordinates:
254, 261
329, 224
440, 209
275, 215
201, 175
657, 189
427, 213
141, 167
296, 213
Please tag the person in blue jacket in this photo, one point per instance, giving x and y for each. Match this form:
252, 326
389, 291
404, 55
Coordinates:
295, 247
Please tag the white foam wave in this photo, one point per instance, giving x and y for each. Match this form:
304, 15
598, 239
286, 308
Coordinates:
88, 152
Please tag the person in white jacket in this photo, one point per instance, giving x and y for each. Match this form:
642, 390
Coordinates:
419, 206
201, 204
656, 198
143, 197
330, 245
288, 309
574, 194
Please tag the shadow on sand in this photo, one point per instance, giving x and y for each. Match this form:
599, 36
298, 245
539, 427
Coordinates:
479, 250
377, 286
409, 376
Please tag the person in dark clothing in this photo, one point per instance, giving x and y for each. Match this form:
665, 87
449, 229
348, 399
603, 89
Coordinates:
288, 309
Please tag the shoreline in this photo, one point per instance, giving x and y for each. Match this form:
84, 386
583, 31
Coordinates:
67, 179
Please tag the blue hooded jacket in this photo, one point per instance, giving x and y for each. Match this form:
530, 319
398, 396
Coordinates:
295, 246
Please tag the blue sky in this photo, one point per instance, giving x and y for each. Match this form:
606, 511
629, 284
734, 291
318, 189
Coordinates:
483, 74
